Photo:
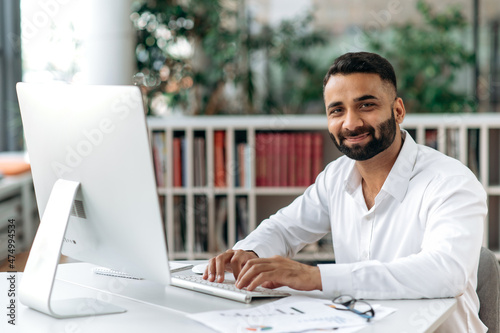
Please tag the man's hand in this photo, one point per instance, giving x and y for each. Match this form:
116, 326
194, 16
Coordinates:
251, 271
230, 261
277, 271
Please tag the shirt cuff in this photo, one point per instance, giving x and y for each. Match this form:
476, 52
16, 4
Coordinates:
256, 247
336, 279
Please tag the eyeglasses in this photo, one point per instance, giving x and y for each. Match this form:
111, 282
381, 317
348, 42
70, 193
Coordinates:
361, 308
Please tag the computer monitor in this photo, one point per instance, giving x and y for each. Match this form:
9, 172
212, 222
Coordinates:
95, 188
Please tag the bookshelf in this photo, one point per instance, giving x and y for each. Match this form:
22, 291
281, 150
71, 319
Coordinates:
218, 177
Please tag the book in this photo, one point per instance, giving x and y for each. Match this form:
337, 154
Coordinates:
317, 155
220, 158
241, 165
161, 200
260, 148
269, 159
473, 151
199, 160
282, 164
249, 158
300, 158
177, 162
292, 160
273, 161
200, 223
184, 172
431, 138
453, 143
159, 155
288, 159
220, 224
179, 211
156, 163
307, 160
241, 217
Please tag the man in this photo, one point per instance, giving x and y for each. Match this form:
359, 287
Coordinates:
406, 220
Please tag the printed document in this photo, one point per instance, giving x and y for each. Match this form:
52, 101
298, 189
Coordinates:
290, 314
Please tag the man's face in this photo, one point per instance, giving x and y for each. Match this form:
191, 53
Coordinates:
361, 120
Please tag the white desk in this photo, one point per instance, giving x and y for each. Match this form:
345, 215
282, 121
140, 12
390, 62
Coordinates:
155, 308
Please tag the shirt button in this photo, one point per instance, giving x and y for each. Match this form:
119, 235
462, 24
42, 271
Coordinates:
364, 256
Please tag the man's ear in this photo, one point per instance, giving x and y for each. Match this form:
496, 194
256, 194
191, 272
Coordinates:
399, 110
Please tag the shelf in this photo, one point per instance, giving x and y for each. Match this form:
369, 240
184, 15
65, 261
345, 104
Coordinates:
493, 190
279, 190
239, 191
214, 172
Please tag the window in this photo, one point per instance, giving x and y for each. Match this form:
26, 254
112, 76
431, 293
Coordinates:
10, 72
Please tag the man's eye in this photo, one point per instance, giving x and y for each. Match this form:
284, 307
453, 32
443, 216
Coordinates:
335, 111
367, 105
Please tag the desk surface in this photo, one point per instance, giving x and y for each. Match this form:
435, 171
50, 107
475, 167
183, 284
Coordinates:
153, 308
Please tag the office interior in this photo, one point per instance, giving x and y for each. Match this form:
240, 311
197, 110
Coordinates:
99, 43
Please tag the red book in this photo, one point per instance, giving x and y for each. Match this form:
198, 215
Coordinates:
307, 159
283, 159
259, 148
274, 159
317, 155
260, 161
177, 163
241, 164
220, 158
292, 158
301, 158
265, 171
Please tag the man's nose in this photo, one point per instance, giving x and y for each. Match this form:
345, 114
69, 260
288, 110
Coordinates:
352, 120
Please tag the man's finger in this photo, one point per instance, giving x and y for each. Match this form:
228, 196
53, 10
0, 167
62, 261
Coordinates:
220, 265
238, 261
251, 272
210, 270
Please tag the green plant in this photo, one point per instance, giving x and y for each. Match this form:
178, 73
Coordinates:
293, 73
219, 55
427, 58
185, 51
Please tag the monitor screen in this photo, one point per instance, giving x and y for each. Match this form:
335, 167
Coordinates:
92, 165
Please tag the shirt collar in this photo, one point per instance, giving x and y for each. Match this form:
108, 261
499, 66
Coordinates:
398, 180
353, 180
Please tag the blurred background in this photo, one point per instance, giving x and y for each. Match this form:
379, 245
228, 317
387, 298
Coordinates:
249, 56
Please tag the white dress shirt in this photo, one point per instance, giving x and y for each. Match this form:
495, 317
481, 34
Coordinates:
421, 239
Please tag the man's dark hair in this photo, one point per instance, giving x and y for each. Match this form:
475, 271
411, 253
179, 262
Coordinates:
362, 62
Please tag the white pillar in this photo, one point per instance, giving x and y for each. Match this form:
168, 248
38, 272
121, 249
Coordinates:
109, 43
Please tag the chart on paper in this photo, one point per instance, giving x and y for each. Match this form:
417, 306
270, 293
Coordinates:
281, 312
291, 314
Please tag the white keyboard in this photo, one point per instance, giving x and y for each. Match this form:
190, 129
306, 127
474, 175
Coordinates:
111, 272
226, 289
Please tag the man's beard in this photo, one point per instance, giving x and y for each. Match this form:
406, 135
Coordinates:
387, 132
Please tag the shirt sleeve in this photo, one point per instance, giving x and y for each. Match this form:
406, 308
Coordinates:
302, 222
454, 209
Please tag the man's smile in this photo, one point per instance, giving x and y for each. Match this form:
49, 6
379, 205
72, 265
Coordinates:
356, 139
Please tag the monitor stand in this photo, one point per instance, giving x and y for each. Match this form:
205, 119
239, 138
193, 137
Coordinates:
38, 279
